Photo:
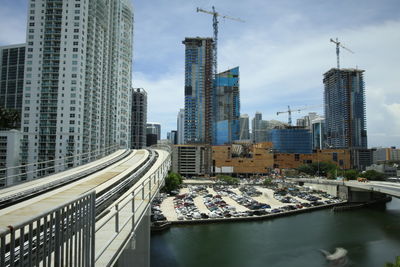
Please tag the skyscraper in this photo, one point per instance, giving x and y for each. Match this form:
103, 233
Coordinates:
12, 62
226, 107
154, 128
244, 127
138, 118
344, 99
181, 127
255, 127
198, 90
78, 72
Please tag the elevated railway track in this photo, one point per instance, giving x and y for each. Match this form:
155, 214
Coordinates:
92, 195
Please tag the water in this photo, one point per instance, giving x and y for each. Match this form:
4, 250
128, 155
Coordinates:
371, 237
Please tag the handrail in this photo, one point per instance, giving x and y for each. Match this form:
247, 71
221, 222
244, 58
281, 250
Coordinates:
93, 155
129, 208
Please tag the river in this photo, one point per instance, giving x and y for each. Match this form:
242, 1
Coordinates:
370, 235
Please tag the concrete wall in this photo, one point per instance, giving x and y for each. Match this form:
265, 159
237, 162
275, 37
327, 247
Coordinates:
330, 189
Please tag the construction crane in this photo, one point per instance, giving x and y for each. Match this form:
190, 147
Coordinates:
338, 44
215, 26
290, 111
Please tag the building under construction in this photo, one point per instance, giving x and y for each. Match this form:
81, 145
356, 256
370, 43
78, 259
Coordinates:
344, 99
198, 90
226, 107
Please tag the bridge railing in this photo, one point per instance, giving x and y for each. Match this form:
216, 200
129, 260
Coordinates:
124, 216
62, 236
16, 174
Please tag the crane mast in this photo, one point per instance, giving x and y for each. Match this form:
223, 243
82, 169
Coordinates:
338, 45
215, 15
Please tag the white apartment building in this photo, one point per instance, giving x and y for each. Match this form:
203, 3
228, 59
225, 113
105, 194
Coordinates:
77, 80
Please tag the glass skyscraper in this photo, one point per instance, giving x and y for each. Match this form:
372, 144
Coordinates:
226, 105
198, 90
344, 99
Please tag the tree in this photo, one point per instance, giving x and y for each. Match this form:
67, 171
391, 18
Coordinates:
172, 182
228, 179
396, 264
321, 168
9, 118
351, 174
373, 175
267, 181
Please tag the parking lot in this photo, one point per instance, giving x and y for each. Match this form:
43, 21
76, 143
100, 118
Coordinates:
216, 201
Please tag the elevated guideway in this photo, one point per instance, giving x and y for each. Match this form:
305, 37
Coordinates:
100, 211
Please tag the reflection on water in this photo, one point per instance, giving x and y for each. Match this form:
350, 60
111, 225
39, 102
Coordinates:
370, 236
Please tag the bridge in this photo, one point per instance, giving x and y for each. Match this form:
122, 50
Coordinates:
96, 214
353, 191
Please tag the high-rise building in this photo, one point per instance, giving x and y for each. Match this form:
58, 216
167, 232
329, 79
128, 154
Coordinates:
138, 118
198, 90
344, 99
244, 127
172, 137
226, 107
181, 127
78, 80
12, 62
255, 127
318, 133
154, 128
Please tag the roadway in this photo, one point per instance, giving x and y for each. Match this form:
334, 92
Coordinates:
389, 188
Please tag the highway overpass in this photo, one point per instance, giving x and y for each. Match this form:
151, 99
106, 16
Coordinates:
378, 187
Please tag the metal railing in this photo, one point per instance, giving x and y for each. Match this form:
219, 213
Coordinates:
125, 215
21, 170
63, 236
57, 182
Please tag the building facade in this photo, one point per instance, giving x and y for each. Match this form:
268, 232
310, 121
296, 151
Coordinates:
138, 118
344, 99
10, 149
78, 80
181, 127
226, 107
292, 140
198, 90
255, 127
318, 133
12, 63
154, 128
188, 160
244, 127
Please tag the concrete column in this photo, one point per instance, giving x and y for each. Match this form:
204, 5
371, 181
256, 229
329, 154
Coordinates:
137, 252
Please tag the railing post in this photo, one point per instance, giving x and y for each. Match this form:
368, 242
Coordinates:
57, 242
116, 219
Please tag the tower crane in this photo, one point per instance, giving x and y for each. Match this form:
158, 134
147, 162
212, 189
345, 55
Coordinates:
215, 26
290, 111
338, 44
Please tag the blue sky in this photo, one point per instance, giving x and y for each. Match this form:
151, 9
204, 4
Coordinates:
282, 50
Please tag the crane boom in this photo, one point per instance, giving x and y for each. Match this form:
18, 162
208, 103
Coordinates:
290, 111
215, 26
338, 45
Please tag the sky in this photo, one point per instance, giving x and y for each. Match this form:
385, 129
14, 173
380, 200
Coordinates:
282, 50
